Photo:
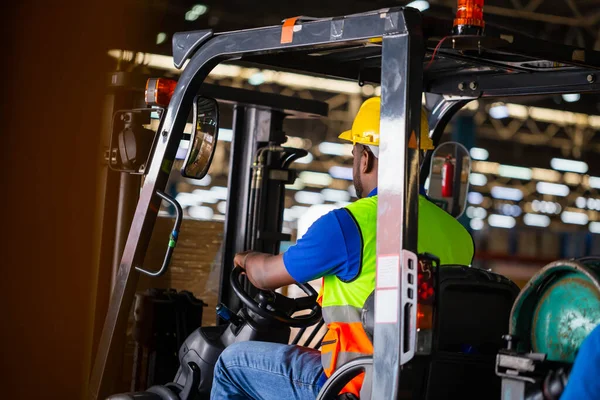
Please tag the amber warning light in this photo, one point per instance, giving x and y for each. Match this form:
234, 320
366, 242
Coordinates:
159, 91
469, 18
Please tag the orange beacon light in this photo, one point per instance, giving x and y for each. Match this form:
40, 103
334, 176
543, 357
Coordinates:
469, 18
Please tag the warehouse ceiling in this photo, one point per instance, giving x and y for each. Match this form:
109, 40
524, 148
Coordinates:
575, 22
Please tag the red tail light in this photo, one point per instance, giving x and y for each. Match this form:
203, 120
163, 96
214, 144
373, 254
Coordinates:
159, 91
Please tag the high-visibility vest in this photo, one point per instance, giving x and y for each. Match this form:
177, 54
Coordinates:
439, 234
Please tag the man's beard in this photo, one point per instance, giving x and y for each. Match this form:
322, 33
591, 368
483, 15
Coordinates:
358, 186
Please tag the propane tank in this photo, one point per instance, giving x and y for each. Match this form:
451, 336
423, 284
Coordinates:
447, 177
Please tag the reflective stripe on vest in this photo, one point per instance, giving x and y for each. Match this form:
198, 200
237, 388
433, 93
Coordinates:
439, 234
342, 313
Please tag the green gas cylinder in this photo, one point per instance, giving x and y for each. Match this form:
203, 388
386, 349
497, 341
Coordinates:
557, 309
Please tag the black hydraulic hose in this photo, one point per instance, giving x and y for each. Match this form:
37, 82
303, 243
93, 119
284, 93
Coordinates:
294, 154
248, 245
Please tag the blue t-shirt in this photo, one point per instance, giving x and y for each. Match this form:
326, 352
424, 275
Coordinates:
583, 382
331, 246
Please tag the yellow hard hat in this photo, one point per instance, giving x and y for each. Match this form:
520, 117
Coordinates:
365, 128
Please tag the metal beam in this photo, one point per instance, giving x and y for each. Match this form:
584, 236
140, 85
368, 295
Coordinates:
398, 182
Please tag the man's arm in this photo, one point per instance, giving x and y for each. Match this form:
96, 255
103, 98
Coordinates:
331, 246
265, 271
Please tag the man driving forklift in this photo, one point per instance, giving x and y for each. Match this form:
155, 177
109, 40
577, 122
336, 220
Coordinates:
339, 247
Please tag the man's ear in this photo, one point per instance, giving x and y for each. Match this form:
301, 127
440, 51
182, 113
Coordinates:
364, 160
369, 161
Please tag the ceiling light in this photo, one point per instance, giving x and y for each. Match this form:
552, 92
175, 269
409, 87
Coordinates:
470, 212
204, 181
476, 224
225, 135
315, 178
161, 37
341, 172
512, 210
299, 210
581, 202
352, 191
593, 204
257, 79
571, 97
475, 198
498, 111
420, 5
222, 207
288, 215
190, 16
477, 153
595, 227
297, 185
479, 212
204, 196
200, 212
505, 193
562, 164
309, 197
196, 12
536, 220
336, 149
219, 192
554, 189
187, 199
594, 182
335, 195
501, 221
577, 218
476, 179
510, 171
307, 159
547, 207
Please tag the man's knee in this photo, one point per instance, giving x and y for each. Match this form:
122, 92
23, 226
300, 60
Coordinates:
232, 354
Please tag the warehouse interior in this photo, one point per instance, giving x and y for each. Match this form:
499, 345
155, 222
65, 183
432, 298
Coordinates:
533, 194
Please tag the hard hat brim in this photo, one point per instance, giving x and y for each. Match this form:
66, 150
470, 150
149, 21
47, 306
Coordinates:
347, 135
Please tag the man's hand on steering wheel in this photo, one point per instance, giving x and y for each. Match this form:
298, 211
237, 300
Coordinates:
267, 272
240, 258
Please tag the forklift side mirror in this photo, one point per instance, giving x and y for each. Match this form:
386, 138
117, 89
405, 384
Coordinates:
203, 139
448, 182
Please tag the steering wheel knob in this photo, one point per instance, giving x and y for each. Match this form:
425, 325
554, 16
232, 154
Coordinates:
265, 298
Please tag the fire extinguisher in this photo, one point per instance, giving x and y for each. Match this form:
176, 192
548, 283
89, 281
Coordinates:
447, 177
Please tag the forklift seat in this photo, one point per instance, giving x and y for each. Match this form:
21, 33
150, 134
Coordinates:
472, 315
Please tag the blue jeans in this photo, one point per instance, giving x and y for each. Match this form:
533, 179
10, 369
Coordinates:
267, 371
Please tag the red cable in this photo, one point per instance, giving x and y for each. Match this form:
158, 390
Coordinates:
435, 51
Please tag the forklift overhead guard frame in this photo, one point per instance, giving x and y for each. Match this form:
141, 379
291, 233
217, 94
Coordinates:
393, 47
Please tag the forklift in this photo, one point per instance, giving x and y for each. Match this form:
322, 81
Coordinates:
419, 61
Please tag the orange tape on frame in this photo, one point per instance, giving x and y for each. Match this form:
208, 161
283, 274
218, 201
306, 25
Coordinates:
287, 30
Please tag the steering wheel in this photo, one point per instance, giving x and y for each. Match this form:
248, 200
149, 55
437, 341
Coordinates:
272, 305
